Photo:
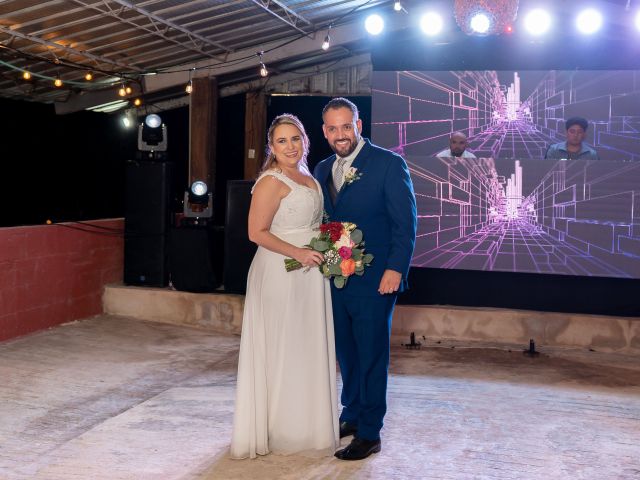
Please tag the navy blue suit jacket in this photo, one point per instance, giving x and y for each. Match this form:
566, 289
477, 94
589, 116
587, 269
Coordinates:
383, 206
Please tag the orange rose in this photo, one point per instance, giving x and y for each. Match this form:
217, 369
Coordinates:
348, 266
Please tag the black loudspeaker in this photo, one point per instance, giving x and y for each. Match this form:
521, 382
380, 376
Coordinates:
238, 250
191, 262
146, 222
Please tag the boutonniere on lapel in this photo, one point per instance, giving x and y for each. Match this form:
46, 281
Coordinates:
352, 175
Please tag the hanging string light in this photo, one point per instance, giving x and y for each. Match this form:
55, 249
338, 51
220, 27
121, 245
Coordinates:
189, 87
88, 76
57, 82
26, 75
122, 91
327, 40
263, 68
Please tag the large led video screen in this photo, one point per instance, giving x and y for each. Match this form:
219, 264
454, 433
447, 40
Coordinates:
509, 209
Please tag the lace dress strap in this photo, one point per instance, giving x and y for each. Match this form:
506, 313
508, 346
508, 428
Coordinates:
279, 175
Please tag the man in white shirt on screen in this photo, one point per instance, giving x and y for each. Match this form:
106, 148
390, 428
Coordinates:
457, 147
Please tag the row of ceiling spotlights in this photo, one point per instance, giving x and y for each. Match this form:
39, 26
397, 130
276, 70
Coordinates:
537, 22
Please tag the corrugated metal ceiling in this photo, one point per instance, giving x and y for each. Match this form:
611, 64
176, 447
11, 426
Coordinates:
115, 38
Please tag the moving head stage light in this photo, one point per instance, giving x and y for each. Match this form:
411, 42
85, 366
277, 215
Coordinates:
152, 138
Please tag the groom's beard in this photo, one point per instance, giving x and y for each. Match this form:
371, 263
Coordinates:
346, 149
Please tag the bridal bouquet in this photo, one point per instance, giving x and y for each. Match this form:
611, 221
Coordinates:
343, 249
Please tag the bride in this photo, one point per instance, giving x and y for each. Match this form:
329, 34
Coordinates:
286, 399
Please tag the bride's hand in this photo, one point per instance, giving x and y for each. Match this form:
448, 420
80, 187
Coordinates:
308, 257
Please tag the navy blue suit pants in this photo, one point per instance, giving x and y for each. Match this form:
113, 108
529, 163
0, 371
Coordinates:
363, 330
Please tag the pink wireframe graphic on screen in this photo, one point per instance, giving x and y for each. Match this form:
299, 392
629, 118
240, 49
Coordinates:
525, 214
543, 216
506, 114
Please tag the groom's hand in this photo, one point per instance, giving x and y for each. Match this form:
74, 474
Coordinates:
390, 282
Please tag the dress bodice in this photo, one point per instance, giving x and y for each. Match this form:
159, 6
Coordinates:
300, 210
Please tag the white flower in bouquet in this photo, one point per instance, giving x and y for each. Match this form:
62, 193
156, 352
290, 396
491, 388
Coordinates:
344, 241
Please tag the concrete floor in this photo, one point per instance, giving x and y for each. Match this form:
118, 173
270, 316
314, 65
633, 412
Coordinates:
118, 398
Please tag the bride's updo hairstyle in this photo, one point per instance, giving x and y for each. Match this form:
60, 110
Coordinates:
286, 119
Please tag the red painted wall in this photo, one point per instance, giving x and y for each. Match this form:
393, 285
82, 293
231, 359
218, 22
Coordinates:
52, 274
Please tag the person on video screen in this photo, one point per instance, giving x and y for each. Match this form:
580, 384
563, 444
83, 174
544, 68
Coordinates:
574, 147
457, 147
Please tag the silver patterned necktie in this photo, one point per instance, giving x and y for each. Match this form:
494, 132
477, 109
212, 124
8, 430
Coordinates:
338, 175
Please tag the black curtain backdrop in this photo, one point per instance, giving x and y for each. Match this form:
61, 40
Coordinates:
72, 167
60, 167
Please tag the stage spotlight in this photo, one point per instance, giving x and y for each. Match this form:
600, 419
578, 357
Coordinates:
431, 23
198, 201
153, 120
199, 188
589, 21
152, 136
480, 23
537, 21
374, 24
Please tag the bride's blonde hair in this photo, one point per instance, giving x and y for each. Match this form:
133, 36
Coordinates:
286, 119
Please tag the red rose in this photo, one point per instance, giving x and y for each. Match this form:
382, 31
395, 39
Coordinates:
334, 229
345, 252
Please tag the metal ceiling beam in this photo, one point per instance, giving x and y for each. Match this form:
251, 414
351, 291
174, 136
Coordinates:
154, 31
156, 54
168, 23
64, 48
34, 8
52, 21
103, 45
291, 18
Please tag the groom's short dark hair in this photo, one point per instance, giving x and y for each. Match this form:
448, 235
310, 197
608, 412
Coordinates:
341, 102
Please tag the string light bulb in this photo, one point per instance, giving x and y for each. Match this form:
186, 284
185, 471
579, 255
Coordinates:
128, 90
327, 41
137, 102
57, 82
397, 6
26, 75
122, 91
263, 68
88, 76
189, 87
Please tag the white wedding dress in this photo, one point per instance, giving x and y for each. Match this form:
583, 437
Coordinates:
286, 397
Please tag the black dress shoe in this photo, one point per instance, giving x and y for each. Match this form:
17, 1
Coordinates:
358, 449
347, 429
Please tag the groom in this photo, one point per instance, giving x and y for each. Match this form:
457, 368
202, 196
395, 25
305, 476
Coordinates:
371, 187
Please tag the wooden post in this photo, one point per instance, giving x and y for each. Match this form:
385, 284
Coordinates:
203, 111
255, 133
